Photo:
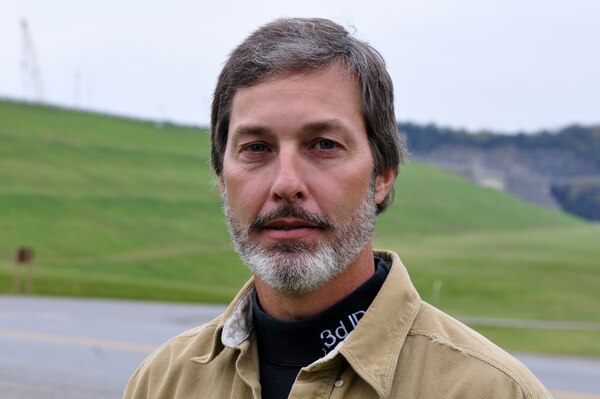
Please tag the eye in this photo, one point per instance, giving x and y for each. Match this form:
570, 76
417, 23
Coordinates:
255, 147
325, 144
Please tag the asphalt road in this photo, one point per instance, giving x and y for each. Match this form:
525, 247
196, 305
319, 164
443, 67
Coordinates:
86, 349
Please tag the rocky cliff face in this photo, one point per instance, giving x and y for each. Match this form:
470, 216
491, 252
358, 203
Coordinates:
527, 169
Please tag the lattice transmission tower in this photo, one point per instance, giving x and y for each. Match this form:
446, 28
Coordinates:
30, 68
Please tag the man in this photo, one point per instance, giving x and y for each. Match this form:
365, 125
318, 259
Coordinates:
305, 149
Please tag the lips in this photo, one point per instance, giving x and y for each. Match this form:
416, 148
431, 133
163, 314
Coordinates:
290, 228
290, 224
288, 219
284, 228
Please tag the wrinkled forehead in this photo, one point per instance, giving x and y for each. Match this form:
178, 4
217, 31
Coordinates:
336, 66
334, 70
323, 91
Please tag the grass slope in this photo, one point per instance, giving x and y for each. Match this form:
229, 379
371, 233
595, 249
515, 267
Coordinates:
123, 208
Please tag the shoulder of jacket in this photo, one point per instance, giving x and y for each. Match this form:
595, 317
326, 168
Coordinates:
171, 363
442, 330
198, 341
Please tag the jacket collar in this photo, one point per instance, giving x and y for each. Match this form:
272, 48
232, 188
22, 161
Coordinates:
373, 348
388, 320
239, 323
233, 326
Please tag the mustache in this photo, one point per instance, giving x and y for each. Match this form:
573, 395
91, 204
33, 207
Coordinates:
290, 211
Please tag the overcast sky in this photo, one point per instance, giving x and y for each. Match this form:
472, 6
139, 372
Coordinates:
505, 65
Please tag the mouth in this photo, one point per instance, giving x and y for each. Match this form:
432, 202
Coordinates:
290, 224
286, 229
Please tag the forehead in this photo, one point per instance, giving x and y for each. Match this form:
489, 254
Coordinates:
285, 101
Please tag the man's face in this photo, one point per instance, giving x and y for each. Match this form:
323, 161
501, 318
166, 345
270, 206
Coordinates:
297, 178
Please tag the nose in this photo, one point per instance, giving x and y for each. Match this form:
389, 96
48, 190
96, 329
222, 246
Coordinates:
289, 184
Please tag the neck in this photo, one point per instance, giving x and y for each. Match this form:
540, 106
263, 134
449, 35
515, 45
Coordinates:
286, 306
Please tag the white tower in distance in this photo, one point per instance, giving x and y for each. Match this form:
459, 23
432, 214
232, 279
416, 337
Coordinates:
30, 67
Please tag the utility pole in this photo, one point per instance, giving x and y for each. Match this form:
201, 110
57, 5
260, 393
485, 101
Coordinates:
30, 66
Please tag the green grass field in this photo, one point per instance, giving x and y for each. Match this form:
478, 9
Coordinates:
126, 209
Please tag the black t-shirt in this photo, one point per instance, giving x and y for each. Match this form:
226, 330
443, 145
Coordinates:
284, 347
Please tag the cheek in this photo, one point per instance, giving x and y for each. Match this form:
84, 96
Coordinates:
347, 195
246, 196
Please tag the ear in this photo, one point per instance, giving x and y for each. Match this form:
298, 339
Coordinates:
383, 184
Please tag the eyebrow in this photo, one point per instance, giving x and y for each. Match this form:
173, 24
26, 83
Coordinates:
239, 133
319, 126
250, 130
262, 131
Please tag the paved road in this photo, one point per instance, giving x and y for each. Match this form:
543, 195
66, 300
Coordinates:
86, 349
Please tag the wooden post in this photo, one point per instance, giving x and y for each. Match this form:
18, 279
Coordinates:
16, 278
23, 256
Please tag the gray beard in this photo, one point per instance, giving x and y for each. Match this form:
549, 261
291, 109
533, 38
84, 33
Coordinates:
296, 267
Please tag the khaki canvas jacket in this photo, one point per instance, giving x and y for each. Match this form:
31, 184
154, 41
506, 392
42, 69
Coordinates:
402, 348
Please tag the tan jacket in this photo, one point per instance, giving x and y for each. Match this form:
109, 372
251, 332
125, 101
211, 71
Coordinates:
402, 348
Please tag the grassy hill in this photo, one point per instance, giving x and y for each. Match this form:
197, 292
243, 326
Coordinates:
122, 208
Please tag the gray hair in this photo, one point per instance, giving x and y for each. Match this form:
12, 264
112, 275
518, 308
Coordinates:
297, 44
